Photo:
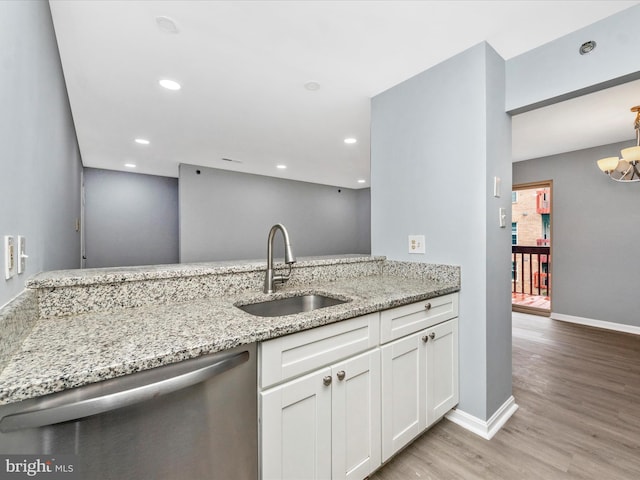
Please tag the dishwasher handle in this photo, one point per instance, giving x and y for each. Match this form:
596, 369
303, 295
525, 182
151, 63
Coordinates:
89, 400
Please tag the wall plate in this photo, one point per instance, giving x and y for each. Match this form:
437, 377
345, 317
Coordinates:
22, 256
416, 244
9, 257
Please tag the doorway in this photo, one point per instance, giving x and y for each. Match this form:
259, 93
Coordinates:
531, 240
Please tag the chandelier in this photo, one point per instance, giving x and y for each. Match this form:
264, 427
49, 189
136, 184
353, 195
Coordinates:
625, 169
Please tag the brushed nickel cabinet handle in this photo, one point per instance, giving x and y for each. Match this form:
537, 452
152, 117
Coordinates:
425, 338
427, 306
341, 374
327, 380
432, 335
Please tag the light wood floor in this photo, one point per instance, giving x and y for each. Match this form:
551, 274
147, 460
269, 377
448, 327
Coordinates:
578, 389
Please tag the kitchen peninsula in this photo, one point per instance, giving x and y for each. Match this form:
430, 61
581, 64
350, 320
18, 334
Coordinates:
99, 324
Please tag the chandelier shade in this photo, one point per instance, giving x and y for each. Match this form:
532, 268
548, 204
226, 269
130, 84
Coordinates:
631, 154
625, 169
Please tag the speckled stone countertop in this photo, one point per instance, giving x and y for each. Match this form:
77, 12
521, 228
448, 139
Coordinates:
95, 276
72, 351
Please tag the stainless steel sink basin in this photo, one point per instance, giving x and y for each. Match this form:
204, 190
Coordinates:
290, 305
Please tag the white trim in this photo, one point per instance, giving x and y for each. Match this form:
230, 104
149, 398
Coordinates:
590, 322
14, 298
486, 429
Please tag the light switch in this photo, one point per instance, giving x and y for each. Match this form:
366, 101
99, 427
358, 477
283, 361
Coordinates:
416, 244
9, 257
496, 186
22, 254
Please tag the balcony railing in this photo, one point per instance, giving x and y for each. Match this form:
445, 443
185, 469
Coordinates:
530, 269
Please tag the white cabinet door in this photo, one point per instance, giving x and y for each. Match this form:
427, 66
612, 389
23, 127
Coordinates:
442, 370
296, 429
403, 392
356, 416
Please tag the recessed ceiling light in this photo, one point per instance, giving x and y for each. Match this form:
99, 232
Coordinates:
130, 165
166, 24
350, 140
281, 167
312, 86
587, 47
142, 141
169, 84
362, 181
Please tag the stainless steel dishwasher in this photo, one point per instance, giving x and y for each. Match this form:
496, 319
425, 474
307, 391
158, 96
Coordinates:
194, 420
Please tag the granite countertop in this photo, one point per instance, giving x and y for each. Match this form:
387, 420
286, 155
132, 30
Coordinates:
68, 352
96, 276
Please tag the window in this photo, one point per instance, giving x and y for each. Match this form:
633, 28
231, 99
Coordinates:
546, 226
514, 233
513, 271
514, 197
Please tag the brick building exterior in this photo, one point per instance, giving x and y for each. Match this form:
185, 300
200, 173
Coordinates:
530, 226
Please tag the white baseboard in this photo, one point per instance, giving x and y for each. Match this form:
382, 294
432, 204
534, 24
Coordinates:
14, 298
618, 327
486, 429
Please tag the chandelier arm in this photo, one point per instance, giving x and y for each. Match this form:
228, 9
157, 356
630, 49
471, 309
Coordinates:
623, 181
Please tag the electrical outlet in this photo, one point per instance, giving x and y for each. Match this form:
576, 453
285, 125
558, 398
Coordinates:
416, 244
9, 257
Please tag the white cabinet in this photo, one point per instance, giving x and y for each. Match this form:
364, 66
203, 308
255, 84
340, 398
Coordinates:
404, 393
355, 410
419, 379
442, 370
401, 321
338, 400
325, 424
296, 429
292, 355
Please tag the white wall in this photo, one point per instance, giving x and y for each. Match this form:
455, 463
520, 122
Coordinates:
40, 162
438, 139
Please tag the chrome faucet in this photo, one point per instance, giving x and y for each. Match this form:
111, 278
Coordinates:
289, 259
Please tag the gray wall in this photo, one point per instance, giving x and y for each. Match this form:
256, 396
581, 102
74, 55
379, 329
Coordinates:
227, 215
40, 179
596, 227
437, 141
130, 219
556, 70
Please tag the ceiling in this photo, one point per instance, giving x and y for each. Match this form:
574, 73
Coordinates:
243, 66
596, 119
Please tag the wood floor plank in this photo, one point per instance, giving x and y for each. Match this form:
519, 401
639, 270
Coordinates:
578, 389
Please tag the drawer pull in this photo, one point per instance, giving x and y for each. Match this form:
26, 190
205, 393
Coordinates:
341, 374
427, 306
425, 338
327, 380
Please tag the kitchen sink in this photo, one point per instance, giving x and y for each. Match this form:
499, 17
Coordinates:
290, 305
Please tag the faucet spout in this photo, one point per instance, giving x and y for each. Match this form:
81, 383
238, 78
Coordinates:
289, 259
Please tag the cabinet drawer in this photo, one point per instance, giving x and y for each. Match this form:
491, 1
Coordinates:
286, 357
398, 322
